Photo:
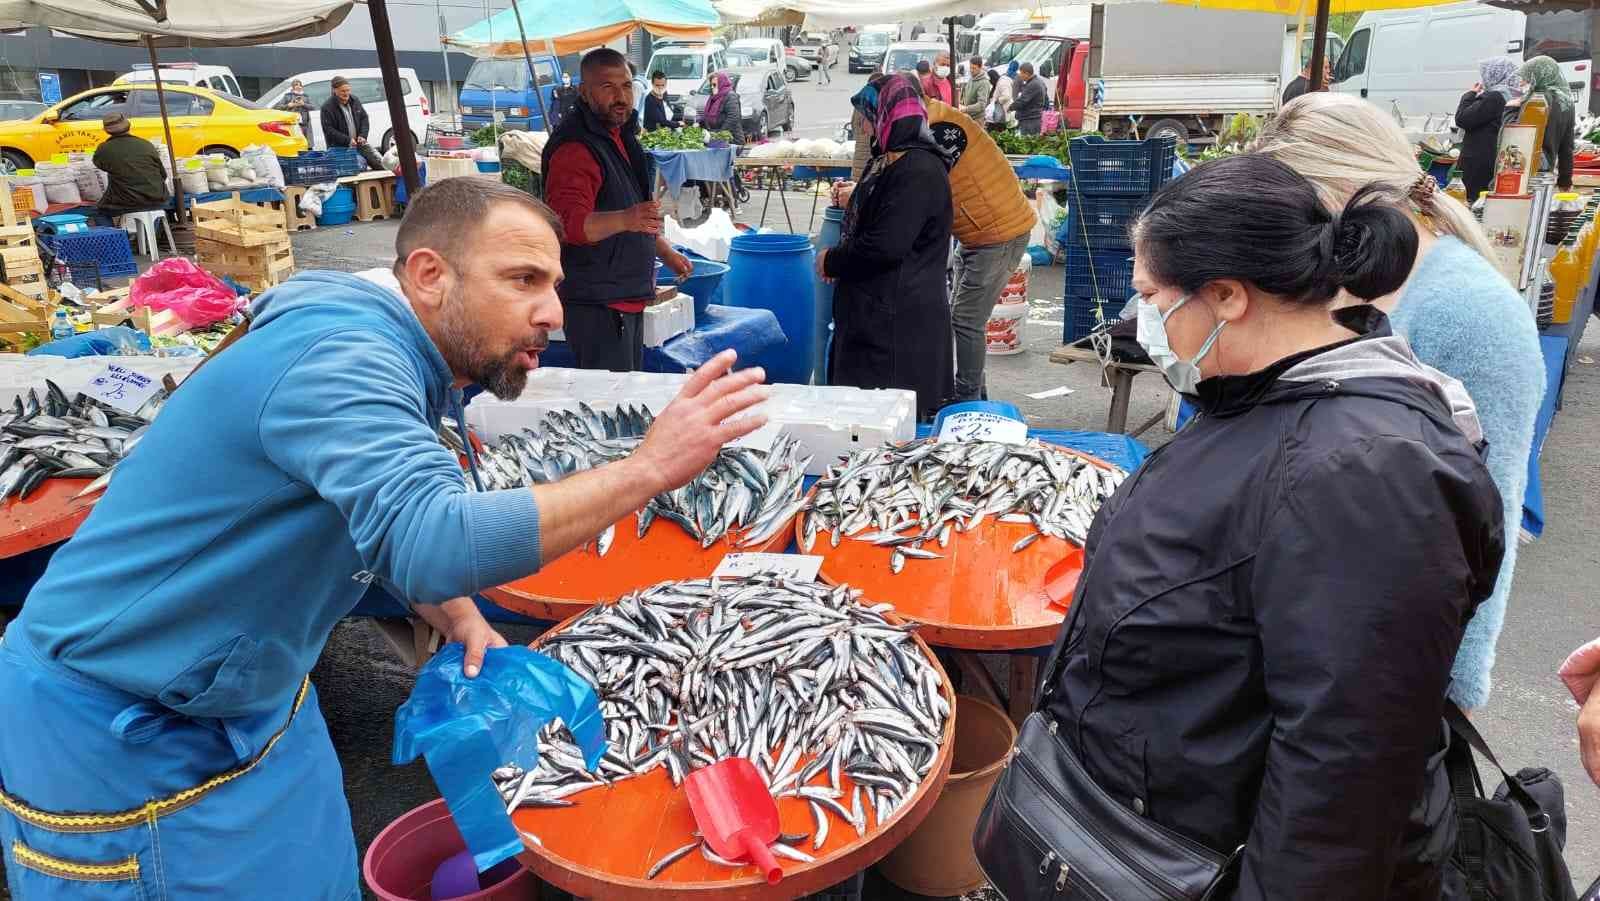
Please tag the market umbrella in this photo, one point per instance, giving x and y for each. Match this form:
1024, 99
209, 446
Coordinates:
178, 23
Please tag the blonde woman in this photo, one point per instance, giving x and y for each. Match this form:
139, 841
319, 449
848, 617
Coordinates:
1458, 313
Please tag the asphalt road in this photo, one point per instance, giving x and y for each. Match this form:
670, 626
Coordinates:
822, 109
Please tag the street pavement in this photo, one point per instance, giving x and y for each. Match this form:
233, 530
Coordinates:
1553, 607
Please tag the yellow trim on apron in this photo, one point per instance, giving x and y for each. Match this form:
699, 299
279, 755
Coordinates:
122, 871
160, 807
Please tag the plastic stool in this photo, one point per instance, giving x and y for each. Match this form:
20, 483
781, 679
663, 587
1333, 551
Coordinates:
143, 227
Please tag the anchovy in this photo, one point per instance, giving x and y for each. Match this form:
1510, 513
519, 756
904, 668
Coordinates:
812, 683
904, 496
55, 436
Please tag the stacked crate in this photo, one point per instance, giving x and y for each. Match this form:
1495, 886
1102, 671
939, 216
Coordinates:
248, 243
1111, 183
19, 249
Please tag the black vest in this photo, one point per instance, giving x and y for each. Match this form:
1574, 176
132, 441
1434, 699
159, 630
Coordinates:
622, 267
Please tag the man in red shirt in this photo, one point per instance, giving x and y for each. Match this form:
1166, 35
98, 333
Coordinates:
597, 180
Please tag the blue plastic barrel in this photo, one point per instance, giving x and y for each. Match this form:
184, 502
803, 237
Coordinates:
339, 208
828, 236
775, 272
702, 284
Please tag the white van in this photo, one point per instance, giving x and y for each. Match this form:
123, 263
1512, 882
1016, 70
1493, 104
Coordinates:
367, 86
686, 66
217, 78
771, 52
1416, 63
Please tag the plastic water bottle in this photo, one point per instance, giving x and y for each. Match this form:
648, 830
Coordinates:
61, 326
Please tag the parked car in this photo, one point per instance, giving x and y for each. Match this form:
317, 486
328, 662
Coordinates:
810, 43
903, 57
203, 121
217, 78
771, 52
12, 110
367, 86
869, 49
764, 99
686, 67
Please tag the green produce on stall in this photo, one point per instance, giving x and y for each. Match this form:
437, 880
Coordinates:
1015, 143
686, 138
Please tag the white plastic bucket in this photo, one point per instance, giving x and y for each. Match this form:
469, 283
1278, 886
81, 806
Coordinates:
1003, 334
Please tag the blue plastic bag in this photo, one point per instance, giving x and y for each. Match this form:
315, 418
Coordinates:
115, 341
467, 728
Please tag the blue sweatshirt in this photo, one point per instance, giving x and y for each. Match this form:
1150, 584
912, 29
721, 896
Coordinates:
277, 482
1462, 319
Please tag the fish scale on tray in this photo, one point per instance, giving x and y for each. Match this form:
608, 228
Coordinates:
918, 492
54, 437
770, 669
745, 491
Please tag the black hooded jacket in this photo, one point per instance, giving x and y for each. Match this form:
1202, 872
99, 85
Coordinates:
1262, 636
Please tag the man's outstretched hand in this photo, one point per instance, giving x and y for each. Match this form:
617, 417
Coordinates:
705, 415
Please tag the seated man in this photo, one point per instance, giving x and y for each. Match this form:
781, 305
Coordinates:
136, 180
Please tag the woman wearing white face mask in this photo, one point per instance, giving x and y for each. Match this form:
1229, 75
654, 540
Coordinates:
1259, 645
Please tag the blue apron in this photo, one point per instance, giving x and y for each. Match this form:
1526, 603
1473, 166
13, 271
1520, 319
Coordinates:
105, 795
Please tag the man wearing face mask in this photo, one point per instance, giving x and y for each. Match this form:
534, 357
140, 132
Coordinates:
597, 181
657, 114
936, 84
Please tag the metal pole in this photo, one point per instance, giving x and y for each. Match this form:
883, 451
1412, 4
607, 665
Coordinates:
538, 92
1319, 46
166, 128
1097, 39
952, 79
449, 83
384, 39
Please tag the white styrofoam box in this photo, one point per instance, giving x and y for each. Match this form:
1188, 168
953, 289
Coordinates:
18, 373
667, 320
830, 421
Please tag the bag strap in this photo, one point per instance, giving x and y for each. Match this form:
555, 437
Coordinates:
1461, 727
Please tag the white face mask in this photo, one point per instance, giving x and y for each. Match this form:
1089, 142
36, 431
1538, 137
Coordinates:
660, 90
1182, 375
942, 71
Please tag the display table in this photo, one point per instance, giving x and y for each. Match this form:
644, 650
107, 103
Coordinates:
714, 166
750, 332
1119, 375
773, 179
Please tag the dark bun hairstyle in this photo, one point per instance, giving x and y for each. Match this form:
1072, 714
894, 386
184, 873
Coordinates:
1252, 218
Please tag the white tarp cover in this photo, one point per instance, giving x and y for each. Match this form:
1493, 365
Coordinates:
839, 13
186, 23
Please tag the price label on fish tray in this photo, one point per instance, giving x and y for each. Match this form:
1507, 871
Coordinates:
795, 567
979, 425
123, 388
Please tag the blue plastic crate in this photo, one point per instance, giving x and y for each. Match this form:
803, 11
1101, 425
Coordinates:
309, 168
1137, 168
1085, 314
83, 273
107, 248
1102, 222
346, 161
1099, 273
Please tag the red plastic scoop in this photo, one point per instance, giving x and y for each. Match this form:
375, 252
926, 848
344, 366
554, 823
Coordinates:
737, 815
1061, 579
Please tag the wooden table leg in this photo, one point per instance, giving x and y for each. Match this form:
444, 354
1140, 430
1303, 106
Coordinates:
1024, 682
1149, 423
1121, 392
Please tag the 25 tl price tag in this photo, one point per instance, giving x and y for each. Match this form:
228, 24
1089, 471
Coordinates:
795, 567
122, 388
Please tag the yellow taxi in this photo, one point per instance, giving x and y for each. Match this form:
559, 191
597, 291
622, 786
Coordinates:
203, 121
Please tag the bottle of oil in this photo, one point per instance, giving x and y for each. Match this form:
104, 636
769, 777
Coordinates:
1567, 270
1457, 188
1535, 112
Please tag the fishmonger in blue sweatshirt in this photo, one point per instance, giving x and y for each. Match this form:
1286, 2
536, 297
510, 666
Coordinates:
157, 729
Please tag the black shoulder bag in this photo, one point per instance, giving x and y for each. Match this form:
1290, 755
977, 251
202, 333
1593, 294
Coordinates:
1048, 831
1507, 846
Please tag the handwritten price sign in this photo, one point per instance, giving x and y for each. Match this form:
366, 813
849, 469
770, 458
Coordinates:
122, 388
975, 425
798, 567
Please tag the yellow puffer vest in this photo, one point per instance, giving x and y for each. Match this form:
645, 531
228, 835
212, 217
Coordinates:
989, 205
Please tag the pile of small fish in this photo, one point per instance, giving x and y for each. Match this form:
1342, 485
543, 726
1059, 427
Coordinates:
798, 677
53, 437
915, 493
744, 490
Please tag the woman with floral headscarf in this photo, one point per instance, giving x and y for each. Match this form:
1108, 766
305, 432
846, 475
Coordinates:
723, 112
1479, 115
1543, 75
891, 316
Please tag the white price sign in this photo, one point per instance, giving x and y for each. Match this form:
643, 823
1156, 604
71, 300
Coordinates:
123, 388
798, 567
977, 425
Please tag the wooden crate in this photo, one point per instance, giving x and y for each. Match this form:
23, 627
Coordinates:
257, 267
238, 223
24, 271
16, 207
18, 236
111, 307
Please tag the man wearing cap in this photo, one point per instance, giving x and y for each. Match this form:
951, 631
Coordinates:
345, 122
135, 178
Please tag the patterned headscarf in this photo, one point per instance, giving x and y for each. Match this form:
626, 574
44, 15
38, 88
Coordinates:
719, 97
1544, 74
897, 100
1499, 73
